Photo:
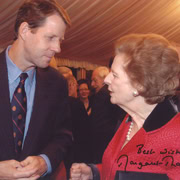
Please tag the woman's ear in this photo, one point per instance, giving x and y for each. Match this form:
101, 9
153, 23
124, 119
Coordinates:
135, 93
138, 89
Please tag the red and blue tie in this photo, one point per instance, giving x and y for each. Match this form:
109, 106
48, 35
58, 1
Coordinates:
19, 108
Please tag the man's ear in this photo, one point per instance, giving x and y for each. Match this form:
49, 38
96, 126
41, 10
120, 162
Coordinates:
23, 30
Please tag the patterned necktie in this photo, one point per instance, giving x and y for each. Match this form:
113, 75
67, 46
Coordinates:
19, 107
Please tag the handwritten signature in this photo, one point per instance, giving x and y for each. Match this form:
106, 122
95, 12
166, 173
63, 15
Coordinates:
167, 160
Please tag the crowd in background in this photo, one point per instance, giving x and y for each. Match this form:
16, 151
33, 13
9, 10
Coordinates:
94, 118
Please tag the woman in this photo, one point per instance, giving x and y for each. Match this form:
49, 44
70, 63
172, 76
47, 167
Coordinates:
84, 92
145, 73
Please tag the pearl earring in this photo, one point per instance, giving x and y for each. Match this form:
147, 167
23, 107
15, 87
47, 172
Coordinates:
135, 93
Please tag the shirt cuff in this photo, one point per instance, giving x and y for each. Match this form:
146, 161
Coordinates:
49, 168
95, 172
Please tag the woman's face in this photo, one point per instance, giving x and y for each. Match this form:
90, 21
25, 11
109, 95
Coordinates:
121, 90
83, 91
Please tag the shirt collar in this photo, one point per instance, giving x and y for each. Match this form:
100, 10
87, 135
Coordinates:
14, 71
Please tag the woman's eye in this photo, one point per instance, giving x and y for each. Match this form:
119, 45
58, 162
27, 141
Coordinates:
115, 75
50, 38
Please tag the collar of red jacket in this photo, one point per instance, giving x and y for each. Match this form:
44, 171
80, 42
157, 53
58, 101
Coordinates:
161, 115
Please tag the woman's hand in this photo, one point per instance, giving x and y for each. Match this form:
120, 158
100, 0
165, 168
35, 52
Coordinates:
80, 171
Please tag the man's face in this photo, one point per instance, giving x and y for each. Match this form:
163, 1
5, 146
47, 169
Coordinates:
40, 46
97, 82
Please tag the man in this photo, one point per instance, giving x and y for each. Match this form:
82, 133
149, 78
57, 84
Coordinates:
72, 85
104, 115
40, 27
98, 76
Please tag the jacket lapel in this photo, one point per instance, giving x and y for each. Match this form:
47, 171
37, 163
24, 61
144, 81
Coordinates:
6, 126
36, 120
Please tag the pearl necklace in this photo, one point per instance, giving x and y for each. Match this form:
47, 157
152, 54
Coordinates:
129, 131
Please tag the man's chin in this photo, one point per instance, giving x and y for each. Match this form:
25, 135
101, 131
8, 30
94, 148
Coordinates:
44, 65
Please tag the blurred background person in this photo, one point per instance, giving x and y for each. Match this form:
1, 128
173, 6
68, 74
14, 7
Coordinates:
84, 94
144, 77
104, 115
98, 76
72, 85
65, 71
81, 149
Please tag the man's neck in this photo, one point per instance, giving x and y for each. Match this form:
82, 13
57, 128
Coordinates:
16, 55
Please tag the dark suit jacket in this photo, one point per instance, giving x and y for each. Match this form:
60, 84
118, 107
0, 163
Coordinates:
48, 131
81, 149
104, 118
81, 131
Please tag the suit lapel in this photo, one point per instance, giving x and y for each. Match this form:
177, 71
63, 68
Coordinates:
36, 120
6, 127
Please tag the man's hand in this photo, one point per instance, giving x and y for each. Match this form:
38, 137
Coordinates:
34, 166
8, 170
29, 169
80, 171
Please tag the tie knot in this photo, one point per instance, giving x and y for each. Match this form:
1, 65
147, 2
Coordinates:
23, 76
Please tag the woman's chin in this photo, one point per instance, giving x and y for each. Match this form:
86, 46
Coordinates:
113, 100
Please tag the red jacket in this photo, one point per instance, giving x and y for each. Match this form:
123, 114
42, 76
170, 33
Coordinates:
155, 148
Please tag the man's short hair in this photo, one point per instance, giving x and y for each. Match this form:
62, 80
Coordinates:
35, 12
102, 71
